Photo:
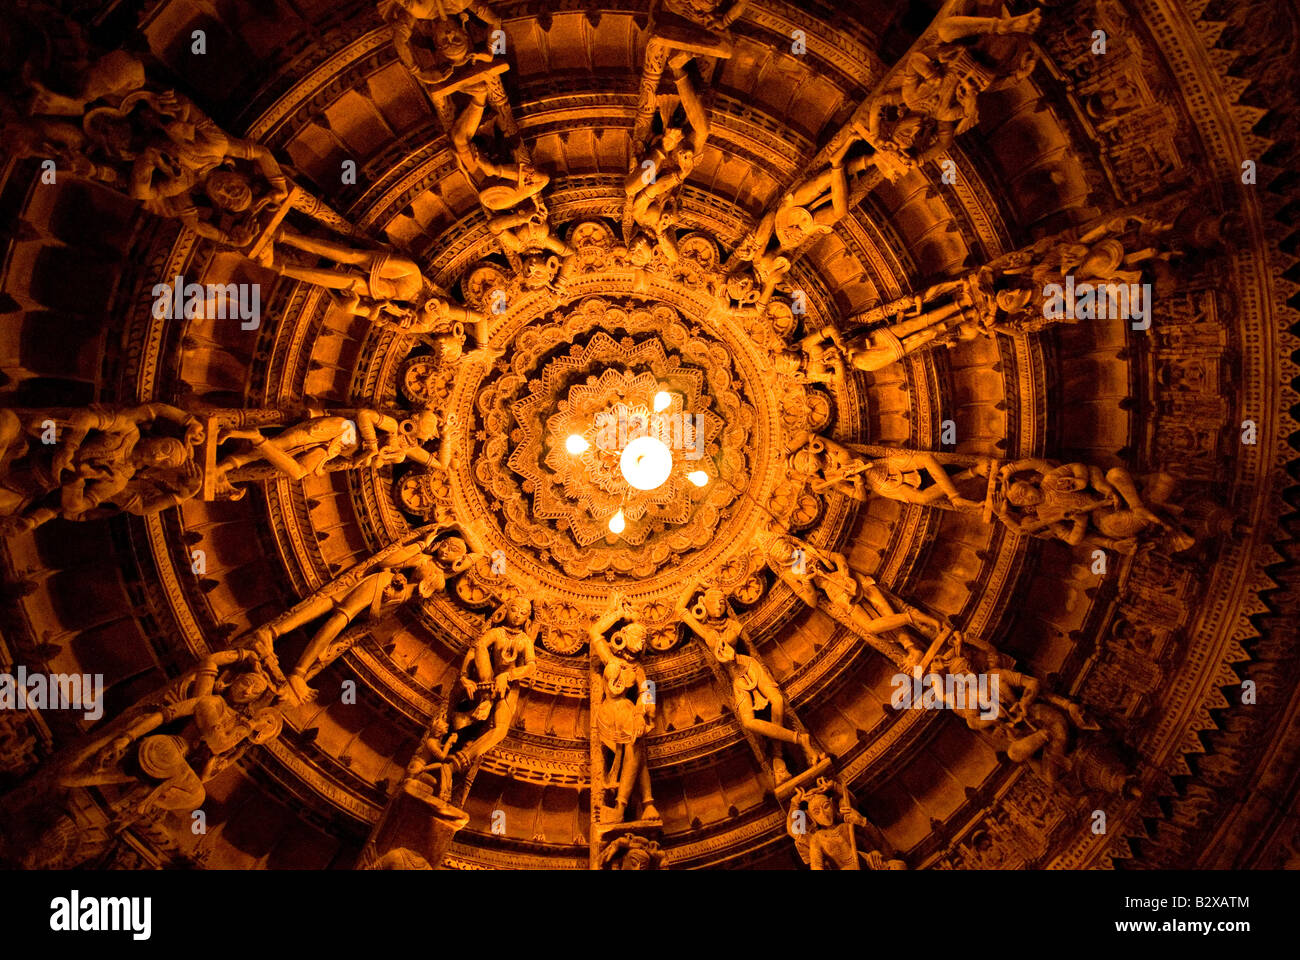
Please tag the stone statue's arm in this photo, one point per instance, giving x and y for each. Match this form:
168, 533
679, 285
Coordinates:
142, 169
1028, 684
484, 13
267, 165
837, 561
596, 633
463, 314
210, 665
508, 221
683, 610
370, 423
852, 816
1074, 532
149, 412
465, 562
79, 426
763, 232
644, 697
1016, 466
1011, 523
695, 113
80, 496
804, 590
419, 455
402, 24
89, 764
733, 13
557, 246
152, 721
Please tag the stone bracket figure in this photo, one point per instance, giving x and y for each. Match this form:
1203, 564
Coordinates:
754, 692
632, 851
824, 826
443, 324
623, 711
156, 758
487, 692
939, 316
533, 249
809, 210
681, 30
824, 579
929, 96
433, 42
237, 452
370, 283
86, 463
657, 172
1077, 502
421, 564
420, 821
226, 189
908, 476
1043, 730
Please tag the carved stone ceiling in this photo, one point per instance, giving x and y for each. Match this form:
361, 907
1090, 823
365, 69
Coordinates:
640, 393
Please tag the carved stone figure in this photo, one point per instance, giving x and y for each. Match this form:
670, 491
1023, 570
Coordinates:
824, 826
443, 325
824, 578
658, 171
812, 360
217, 710
906, 476
533, 249
681, 30
941, 315
72, 112
420, 821
499, 186
1075, 502
488, 696
932, 94
753, 689
809, 210
82, 464
429, 763
369, 592
633, 852
433, 42
1111, 255
1034, 726
380, 283
226, 189
319, 443
625, 711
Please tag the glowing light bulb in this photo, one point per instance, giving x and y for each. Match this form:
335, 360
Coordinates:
576, 443
698, 477
646, 463
663, 400
617, 523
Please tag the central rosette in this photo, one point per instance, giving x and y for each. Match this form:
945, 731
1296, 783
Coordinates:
628, 449
615, 439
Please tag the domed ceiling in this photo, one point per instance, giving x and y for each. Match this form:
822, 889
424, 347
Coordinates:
649, 435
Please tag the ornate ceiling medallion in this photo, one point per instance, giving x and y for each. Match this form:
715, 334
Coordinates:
616, 363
